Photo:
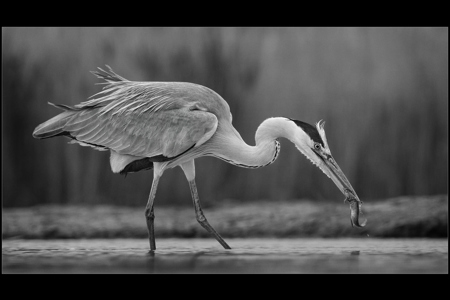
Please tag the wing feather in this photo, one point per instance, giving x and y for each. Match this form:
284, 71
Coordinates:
163, 132
145, 119
167, 132
91, 132
80, 120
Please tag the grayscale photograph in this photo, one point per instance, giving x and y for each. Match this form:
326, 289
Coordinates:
225, 150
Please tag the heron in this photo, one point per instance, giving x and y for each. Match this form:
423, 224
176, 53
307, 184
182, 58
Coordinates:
150, 125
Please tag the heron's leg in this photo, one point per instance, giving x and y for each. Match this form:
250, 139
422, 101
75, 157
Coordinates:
201, 217
149, 215
189, 171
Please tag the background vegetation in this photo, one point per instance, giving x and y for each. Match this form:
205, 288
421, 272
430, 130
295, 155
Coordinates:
383, 93
399, 217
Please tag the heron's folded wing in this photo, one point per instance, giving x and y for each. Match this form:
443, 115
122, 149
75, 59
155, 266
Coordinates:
164, 132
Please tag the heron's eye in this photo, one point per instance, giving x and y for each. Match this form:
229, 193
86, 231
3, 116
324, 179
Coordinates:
317, 146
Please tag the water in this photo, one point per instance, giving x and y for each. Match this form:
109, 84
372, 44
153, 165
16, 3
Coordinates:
207, 256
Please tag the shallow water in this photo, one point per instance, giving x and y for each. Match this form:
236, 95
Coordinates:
207, 256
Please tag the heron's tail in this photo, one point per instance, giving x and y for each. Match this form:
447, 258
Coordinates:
54, 126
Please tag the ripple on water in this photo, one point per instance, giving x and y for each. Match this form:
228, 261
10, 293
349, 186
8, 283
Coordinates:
207, 256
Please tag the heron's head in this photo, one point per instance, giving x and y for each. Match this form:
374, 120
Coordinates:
312, 142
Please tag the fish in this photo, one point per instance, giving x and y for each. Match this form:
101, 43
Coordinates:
355, 209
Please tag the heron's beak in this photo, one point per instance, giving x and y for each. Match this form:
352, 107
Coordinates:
346, 188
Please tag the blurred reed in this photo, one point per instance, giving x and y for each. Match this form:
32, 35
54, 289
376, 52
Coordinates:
383, 93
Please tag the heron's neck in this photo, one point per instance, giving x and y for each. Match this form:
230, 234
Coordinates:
232, 148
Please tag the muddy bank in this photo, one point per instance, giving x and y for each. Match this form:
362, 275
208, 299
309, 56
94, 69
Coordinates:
397, 217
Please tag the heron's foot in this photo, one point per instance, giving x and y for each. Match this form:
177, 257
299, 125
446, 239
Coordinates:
210, 229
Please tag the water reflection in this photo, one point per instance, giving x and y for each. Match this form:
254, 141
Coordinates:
247, 256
